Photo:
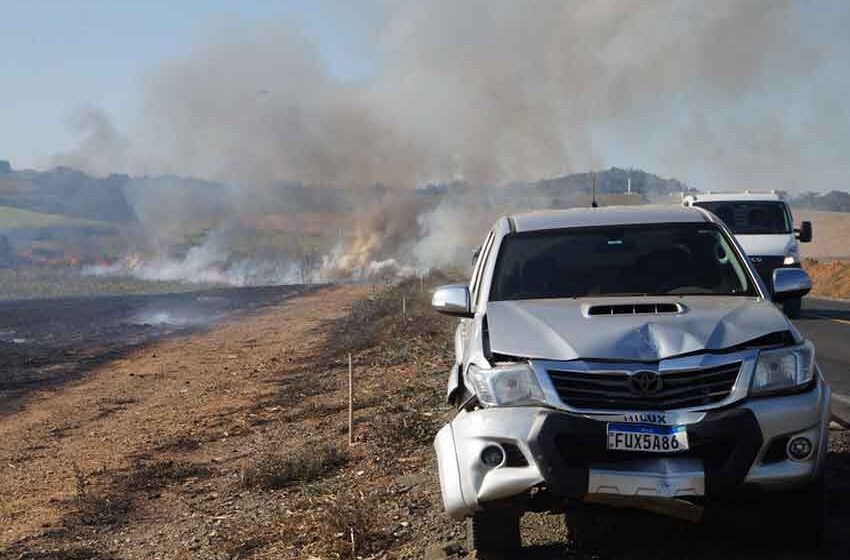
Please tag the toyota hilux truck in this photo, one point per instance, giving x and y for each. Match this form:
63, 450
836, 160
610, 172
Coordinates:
627, 359
764, 227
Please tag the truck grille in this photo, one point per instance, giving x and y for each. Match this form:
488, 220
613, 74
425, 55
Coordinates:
618, 391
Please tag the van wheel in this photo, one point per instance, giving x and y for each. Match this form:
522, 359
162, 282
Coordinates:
494, 534
793, 308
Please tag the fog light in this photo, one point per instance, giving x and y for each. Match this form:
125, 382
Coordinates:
800, 448
493, 456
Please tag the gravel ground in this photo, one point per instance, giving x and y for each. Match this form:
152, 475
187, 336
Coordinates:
232, 444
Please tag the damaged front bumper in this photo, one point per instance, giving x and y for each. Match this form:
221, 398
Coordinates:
565, 453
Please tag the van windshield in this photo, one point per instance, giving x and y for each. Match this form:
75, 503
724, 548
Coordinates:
653, 260
762, 217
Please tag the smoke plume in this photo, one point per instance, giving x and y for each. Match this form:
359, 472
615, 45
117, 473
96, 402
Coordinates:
728, 93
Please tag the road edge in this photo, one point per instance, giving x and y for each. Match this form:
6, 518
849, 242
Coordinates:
840, 409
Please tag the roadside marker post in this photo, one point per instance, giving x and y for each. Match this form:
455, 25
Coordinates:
350, 403
403, 305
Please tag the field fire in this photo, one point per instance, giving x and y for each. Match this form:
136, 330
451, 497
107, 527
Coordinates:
447, 280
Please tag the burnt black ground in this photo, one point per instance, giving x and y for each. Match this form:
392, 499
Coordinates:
47, 342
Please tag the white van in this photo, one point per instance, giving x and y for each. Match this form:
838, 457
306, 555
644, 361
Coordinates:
763, 225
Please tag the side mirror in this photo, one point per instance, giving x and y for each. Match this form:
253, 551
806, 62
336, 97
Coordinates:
453, 300
804, 234
790, 283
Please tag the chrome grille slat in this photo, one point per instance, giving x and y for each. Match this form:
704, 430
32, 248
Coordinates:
609, 390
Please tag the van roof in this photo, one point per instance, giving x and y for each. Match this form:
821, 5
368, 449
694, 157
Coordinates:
731, 197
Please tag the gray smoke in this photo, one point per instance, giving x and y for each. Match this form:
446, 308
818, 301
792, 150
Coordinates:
728, 93
495, 91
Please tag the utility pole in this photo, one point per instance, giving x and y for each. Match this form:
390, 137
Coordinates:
593, 204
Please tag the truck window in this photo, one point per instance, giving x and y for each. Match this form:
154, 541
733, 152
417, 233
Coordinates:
744, 217
653, 260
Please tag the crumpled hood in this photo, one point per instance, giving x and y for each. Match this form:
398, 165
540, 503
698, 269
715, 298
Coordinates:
561, 329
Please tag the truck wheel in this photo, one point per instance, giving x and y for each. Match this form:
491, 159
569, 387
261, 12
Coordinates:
495, 534
801, 513
588, 527
793, 308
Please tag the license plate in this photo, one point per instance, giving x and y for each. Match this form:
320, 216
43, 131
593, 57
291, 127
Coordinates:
644, 437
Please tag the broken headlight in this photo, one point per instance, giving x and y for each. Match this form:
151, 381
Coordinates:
785, 369
506, 385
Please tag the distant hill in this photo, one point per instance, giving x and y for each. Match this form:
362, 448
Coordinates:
67, 192
612, 181
560, 191
833, 201
12, 219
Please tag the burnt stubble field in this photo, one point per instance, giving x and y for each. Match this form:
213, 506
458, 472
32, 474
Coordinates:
50, 341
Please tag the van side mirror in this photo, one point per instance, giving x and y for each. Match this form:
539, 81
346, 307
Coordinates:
789, 283
453, 300
804, 233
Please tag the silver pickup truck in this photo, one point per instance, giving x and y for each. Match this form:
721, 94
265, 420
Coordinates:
629, 357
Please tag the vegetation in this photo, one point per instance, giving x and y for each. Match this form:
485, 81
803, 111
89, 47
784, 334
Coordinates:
17, 218
37, 282
830, 279
307, 466
833, 201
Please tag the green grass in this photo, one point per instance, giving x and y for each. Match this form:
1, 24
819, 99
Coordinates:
40, 282
17, 218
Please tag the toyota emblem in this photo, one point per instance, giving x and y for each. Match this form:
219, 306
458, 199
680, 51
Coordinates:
645, 383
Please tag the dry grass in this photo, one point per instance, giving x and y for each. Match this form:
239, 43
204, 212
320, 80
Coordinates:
309, 465
39, 282
830, 279
831, 232
351, 526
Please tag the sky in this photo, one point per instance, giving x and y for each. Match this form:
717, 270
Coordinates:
59, 56
721, 94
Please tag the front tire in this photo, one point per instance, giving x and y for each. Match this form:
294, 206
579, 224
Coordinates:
800, 513
793, 308
494, 534
588, 526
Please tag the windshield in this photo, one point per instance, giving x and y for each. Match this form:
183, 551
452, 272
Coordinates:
751, 217
666, 259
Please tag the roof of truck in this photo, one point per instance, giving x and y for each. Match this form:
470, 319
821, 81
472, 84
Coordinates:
607, 216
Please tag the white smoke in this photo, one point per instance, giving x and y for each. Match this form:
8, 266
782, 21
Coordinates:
727, 93
207, 263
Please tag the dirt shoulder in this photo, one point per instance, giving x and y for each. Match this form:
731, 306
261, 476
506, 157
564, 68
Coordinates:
233, 444
109, 464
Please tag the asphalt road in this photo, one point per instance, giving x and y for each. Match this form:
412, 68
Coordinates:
827, 324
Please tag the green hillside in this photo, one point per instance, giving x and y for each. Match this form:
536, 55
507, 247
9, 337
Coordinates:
16, 218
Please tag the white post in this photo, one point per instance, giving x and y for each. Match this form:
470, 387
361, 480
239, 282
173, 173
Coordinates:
350, 402
403, 305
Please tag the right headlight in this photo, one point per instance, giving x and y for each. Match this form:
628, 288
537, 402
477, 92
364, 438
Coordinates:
507, 385
785, 369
